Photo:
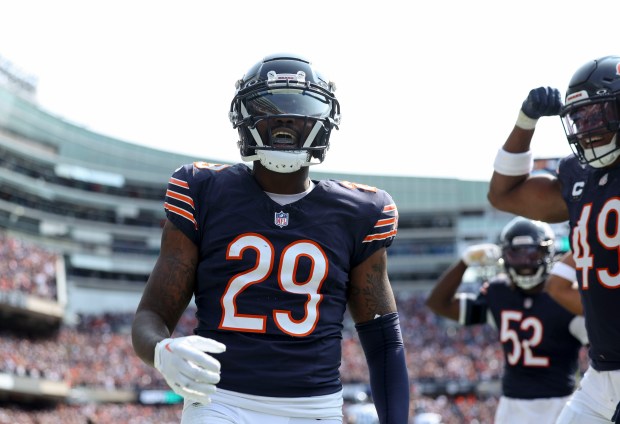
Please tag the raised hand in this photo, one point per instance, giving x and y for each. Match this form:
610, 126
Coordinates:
481, 254
542, 101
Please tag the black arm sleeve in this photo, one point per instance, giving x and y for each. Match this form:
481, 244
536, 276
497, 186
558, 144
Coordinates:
383, 346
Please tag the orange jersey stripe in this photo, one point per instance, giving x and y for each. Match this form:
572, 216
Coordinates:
389, 208
181, 197
380, 236
384, 222
181, 212
177, 182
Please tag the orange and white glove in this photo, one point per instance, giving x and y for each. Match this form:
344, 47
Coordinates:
481, 254
187, 366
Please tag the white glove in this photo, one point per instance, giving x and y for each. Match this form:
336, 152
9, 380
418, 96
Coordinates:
481, 254
187, 368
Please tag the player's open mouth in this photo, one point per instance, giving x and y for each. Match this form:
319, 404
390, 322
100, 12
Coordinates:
284, 138
594, 141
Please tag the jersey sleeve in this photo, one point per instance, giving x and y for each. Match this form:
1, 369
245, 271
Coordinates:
179, 203
382, 226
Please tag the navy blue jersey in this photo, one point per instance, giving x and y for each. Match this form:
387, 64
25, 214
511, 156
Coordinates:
593, 199
540, 351
272, 280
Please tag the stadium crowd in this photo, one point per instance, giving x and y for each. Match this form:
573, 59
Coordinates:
26, 268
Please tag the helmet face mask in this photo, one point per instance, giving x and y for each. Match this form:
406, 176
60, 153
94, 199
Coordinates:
527, 251
284, 112
591, 128
591, 116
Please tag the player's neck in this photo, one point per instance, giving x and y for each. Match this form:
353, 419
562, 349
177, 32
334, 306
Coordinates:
275, 182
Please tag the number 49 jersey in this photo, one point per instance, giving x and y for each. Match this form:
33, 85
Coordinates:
593, 199
272, 279
541, 340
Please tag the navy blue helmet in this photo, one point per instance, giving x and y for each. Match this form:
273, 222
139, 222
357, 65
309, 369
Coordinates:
284, 86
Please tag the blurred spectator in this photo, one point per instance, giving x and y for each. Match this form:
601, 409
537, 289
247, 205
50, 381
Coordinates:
26, 268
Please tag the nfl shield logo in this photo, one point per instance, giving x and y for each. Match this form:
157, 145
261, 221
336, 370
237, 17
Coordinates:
281, 219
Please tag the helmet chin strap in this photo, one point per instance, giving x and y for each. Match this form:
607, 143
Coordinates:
283, 161
602, 156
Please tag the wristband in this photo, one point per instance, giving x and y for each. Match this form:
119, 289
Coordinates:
563, 270
513, 164
525, 122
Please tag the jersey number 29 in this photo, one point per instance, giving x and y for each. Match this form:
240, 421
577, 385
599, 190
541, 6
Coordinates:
291, 254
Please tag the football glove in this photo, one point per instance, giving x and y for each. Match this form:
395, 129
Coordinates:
481, 254
542, 101
187, 366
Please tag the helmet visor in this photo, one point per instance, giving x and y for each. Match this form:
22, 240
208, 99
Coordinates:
288, 101
590, 118
525, 256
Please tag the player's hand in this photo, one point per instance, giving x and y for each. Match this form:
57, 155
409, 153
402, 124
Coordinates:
187, 366
481, 254
542, 101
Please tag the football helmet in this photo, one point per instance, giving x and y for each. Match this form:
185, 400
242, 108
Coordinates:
527, 251
284, 87
591, 111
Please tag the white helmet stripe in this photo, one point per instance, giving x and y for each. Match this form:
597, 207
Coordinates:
253, 131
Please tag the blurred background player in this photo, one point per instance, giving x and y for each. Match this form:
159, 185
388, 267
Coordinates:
273, 258
586, 192
540, 338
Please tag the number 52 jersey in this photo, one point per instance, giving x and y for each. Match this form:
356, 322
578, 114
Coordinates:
541, 340
272, 279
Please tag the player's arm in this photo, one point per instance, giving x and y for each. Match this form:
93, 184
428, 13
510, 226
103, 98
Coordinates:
167, 292
184, 362
373, 308
513, 189
562, 284
442, 299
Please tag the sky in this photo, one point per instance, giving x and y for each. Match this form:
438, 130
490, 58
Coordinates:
427, 88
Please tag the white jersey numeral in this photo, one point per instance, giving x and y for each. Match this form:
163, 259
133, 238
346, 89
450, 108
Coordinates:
232, 319
581, 247
522, 349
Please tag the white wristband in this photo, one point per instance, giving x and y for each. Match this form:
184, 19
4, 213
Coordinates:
513, 164
563, 270
525, 122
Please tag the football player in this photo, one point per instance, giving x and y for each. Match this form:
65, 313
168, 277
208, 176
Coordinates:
273, 259
541, 340
586, 192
